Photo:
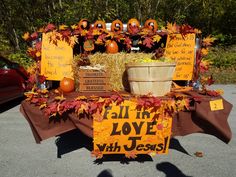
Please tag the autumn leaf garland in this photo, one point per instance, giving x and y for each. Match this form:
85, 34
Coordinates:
54, 103
73, 34
202, 65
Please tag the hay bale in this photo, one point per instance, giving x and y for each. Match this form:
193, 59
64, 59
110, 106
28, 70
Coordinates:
115, 64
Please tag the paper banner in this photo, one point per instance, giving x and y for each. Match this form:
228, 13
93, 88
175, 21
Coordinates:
125, 130
216, 105
56, 61
181, 49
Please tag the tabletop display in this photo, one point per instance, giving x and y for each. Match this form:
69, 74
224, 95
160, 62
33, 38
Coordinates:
129, 87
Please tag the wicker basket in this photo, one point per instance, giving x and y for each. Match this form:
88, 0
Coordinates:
154, 78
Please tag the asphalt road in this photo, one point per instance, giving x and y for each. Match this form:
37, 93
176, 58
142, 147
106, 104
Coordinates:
20, 156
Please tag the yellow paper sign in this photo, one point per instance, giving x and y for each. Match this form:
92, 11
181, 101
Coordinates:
56, 61
216, 105
181, 49
125, 130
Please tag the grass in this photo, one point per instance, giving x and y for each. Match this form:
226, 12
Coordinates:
223, 67
223, 75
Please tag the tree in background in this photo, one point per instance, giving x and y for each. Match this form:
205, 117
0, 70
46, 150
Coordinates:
18, 16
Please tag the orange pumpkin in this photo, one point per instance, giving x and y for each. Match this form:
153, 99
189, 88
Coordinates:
116, 26
67, 84
100, 25
84, 24
151, 24
112, 47
132, 23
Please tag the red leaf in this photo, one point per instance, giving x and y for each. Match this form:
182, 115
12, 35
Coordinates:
76, 32
66, 35
51, 109
157, 102
185, 29
128, 43
212, 93
93, 107
38, 101
148, 102
32, 79
38, 46
78, 104
34, 36
65, 106
141, 102
148, 42
133, 29
41, 78
73, 104
117, 98
68, 105
102, 37
89, 35
210, 80
49, 27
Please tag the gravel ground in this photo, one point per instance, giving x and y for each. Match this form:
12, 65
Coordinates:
20, 156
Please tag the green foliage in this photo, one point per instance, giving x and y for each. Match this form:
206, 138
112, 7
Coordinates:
222, 57
215, 17
4, 46
22, 59
223, 75
224, 39
223, 67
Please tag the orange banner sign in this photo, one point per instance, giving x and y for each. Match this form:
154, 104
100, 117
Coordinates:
125, 130
56, 61
181, 49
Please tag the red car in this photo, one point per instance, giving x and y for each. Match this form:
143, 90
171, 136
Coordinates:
12, 80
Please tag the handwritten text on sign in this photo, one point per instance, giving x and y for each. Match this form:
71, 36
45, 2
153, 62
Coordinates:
124, 129
182, 50
56, 59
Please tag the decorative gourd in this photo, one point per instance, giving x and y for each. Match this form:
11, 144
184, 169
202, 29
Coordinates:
151, 24
132, 23
116, 26
100, 25
88, 45
84, 24
67, 84
112, 47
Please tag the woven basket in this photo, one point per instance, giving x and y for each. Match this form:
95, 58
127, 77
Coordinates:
154, 78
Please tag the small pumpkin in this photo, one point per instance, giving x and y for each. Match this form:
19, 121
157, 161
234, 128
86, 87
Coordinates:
84, 24
151, 24
100, 25
67, 84
116, 26
112, 47
132, 23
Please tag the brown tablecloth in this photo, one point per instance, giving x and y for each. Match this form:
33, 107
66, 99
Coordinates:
199, 120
